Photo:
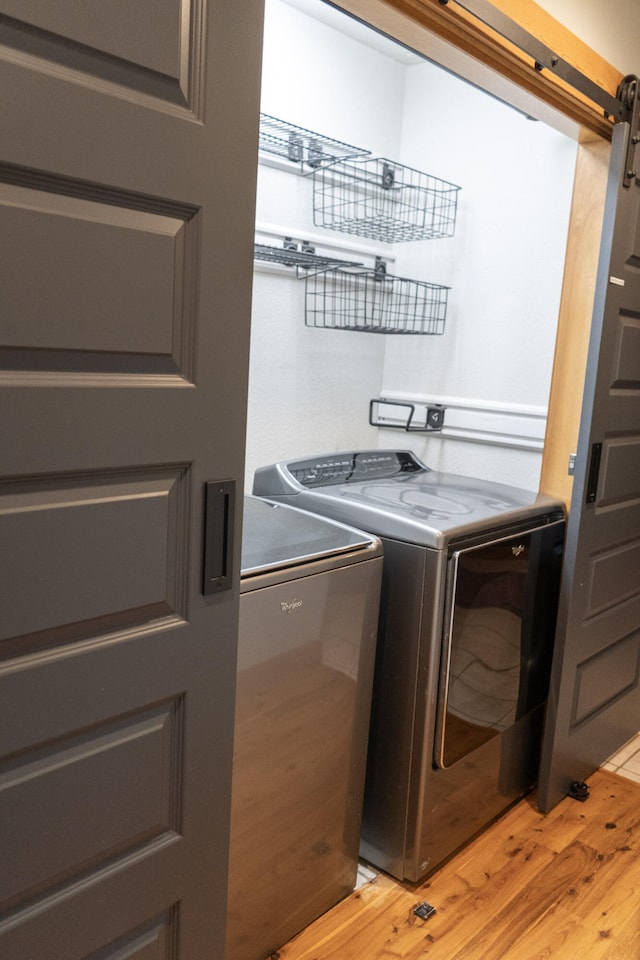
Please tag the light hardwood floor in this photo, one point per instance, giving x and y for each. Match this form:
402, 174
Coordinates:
532, 887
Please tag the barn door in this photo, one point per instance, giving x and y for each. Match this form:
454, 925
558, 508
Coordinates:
128, 144
595, 698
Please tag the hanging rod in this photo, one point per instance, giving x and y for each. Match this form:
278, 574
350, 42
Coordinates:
543, 57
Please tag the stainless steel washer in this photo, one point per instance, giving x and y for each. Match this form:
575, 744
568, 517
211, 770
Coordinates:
468, 609
309, 600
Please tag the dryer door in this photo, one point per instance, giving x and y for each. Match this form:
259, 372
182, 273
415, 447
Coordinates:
498, 637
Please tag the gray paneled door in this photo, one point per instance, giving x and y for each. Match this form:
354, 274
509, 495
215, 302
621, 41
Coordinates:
595, 698
128, 145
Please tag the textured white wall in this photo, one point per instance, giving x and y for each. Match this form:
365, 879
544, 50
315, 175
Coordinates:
504, 264
309, 389
320, 78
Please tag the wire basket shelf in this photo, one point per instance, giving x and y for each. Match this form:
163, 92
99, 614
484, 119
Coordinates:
383, 200
303, 257
373, 301
302, 146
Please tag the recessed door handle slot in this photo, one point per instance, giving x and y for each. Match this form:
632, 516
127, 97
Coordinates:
594, 472
219, 513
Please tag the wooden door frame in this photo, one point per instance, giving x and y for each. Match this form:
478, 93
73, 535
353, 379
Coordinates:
414, 23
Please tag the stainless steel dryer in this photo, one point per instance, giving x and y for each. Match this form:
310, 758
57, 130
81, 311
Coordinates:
468, 610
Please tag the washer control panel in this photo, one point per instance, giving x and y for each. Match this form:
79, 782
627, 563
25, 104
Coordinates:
354, 467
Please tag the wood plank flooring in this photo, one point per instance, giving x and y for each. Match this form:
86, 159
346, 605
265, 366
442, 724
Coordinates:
532, 887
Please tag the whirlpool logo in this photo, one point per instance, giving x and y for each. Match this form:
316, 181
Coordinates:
287, 607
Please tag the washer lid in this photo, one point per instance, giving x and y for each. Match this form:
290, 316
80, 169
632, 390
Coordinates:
275, 536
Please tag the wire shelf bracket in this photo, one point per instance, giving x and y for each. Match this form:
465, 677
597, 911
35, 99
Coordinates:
301, 255
302, 146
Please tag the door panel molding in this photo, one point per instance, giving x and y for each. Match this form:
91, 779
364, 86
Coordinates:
620, 662
613, 578
620, 471
130, 274
156, 940
111, 520
136, 761
154, 57
626, 372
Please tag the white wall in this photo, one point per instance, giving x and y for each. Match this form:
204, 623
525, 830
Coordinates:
323, 79
504, 264
309, 389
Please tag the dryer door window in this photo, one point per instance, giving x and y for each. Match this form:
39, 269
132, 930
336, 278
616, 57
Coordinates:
497, 640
